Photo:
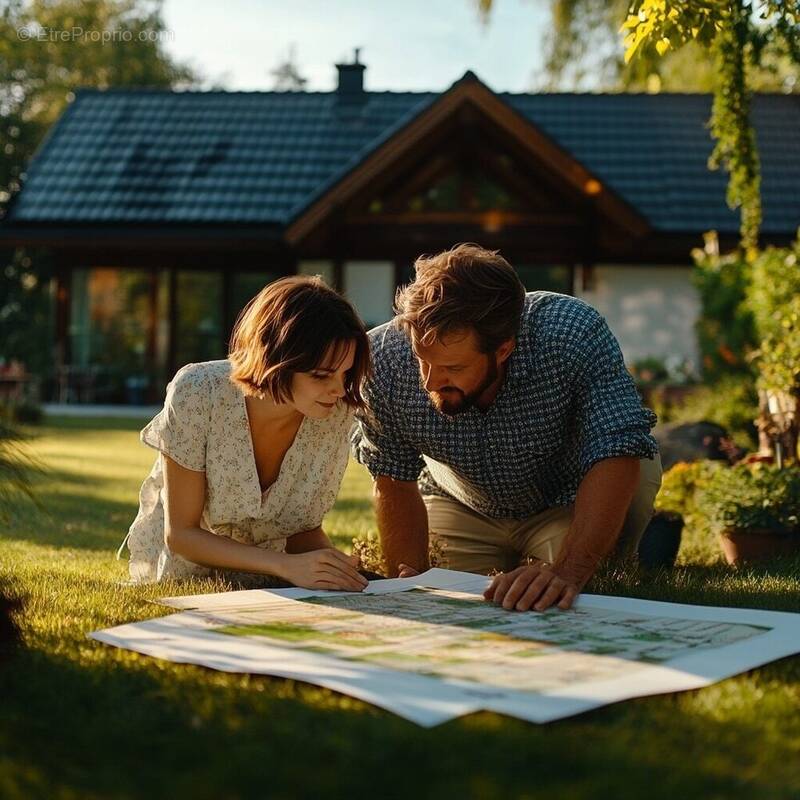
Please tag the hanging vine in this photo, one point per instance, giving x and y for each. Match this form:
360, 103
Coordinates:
738, 34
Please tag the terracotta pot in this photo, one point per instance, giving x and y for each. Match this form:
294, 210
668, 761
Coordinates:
757, 545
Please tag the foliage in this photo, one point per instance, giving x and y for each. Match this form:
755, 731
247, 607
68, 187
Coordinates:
26, 413
42, 61
370, 554
649, 371
753, 497
731, 401
39, 70
737, 34
16, 466
735, 140
582, 51
653, 371
581, 45
774, 300
680, 488
750, 324
286, 76
730, 48
725, 327
27, 315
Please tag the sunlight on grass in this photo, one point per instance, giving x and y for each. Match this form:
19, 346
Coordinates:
116, 724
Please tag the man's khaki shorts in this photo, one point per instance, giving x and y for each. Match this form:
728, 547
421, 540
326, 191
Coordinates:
476, 543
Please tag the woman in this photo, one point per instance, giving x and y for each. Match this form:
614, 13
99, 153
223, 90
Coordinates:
252, 449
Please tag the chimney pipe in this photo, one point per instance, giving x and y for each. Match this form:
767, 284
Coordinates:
350, 88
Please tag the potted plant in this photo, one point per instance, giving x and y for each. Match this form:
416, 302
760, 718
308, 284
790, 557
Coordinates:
675, 506
753, 508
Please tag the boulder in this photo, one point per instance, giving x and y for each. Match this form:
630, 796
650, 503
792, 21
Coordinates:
695, 441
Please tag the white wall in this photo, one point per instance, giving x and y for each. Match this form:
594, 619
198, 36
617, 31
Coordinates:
650, 309
369, 285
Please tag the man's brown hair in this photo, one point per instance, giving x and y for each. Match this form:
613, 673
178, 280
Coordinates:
466, 286
289, 327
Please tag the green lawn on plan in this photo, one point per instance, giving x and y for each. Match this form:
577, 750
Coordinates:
82, 720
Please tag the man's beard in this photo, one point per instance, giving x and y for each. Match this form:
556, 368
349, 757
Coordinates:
453, 401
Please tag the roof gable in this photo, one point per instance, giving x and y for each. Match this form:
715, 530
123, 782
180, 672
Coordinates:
465, 104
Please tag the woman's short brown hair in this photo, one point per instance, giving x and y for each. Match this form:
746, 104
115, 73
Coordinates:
464, 287
289, 327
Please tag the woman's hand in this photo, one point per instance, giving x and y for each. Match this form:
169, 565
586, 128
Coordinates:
323, 569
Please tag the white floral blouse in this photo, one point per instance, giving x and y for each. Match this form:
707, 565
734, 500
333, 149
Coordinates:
204, 427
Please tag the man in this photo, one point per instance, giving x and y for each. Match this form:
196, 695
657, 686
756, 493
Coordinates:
508, 425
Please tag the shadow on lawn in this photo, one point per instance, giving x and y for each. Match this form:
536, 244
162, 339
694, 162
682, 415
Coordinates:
72, 516
119, 727
61, 424
77, 516
718, 585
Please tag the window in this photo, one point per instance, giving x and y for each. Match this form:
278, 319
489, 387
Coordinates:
198, 334
114, 314
465, 190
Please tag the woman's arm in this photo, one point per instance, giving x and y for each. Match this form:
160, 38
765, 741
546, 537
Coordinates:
185, 492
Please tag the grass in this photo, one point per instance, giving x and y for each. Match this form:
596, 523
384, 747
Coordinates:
82, 720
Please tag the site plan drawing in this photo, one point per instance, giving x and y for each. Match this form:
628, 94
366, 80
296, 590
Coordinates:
431, 648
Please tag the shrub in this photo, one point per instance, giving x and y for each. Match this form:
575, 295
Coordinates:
27, 413
371, 558
731, 402
774, 300
680, 488
16, 468
753, 497
725, 329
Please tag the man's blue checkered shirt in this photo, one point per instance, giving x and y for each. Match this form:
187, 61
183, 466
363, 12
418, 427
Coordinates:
567, 402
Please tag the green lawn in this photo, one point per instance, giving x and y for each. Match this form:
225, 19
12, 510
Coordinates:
82, 720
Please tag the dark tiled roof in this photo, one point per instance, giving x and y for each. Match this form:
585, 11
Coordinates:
142, 156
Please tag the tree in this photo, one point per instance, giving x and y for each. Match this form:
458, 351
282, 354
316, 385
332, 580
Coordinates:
739, 35
583, 50
286, 75
728, 48
48, 48
774, 299
732, 47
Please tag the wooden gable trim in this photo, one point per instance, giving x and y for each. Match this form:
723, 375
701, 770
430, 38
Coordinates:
469, 92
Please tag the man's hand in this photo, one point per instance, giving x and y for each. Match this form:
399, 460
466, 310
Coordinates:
534, 585
406, 571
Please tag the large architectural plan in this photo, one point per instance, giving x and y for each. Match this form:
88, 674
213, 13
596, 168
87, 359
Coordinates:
430, 648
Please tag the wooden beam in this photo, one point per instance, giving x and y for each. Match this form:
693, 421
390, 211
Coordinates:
470, 95
480, 219
172, 325
63, 287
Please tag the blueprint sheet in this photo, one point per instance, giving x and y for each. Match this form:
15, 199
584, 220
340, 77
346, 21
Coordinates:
429, 648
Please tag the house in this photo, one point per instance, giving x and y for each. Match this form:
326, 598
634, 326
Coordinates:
166, 211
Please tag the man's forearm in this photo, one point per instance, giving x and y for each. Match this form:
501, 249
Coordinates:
402, 524
305, 542
602, 501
